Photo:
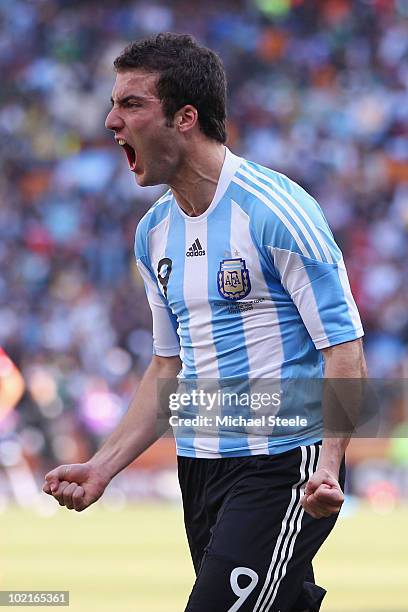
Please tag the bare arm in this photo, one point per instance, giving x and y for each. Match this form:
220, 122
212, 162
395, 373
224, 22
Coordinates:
323, 495
139, 428
79, 485
342, 361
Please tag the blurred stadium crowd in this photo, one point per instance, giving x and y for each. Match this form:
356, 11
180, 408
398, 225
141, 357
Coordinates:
317, 90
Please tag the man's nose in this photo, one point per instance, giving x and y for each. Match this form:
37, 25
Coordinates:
113, 120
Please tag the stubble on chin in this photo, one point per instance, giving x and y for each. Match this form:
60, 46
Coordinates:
146, 181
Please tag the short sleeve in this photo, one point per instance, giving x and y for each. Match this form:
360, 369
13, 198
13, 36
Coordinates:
165, 337
322, 295
311, 269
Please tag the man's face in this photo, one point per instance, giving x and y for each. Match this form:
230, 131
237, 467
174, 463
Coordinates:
137, 118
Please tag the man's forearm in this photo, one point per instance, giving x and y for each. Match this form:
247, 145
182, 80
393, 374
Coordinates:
140, 427
345, 361
332, 453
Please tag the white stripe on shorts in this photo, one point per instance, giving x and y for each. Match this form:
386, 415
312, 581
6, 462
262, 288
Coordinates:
287, 536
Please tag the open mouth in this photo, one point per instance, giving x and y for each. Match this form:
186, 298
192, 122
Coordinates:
130, 153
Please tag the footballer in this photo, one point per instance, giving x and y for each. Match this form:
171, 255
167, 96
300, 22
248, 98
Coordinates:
245, 283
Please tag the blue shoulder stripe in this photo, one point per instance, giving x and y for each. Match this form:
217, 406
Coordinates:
150, 220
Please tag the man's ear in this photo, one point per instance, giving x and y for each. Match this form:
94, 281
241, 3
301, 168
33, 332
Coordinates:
186, 118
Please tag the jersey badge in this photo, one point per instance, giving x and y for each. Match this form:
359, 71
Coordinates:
233, 279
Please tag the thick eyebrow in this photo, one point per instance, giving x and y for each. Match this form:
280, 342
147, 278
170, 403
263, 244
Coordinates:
122, 101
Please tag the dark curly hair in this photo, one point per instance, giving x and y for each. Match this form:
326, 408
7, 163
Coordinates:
188, 74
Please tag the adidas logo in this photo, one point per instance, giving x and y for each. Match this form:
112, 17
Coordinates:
196, 250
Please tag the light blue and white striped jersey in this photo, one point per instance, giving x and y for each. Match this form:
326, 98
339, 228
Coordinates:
252, 288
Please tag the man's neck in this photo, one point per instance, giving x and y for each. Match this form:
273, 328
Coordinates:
196, 182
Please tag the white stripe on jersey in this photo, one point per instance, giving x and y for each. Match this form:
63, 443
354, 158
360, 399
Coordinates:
294, 276
206, 446
195, 291
352, 308
301, 210
261, 326
292, 230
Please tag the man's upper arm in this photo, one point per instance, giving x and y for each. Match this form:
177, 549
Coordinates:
322, 295
165, 337
311, 269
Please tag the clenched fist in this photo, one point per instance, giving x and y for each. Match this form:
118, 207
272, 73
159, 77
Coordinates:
76, 486
323, 495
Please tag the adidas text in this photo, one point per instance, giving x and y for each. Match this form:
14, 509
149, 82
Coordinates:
196, 250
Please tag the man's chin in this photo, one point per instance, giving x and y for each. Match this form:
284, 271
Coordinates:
140, 179
143, 180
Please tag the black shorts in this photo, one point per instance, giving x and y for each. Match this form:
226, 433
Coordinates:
251, 543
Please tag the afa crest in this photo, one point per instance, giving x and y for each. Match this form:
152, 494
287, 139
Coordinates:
233, 279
